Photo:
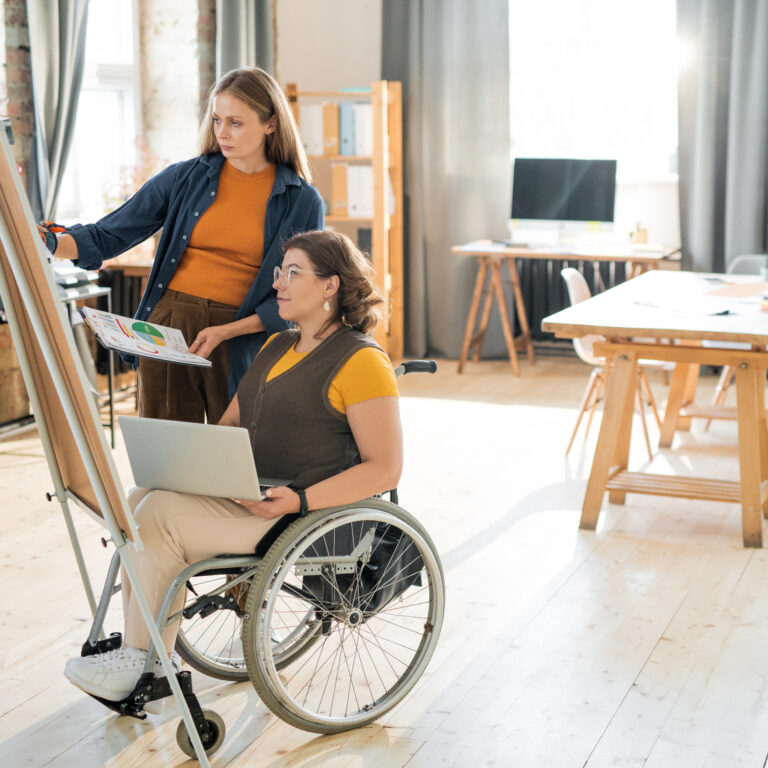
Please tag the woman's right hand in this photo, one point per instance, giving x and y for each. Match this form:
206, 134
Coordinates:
207, 340
48, 231
279, 501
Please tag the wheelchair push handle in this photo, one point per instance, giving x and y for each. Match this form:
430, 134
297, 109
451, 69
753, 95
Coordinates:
416, 366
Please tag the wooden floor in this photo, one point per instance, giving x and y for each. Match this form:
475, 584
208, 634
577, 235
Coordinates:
641, 644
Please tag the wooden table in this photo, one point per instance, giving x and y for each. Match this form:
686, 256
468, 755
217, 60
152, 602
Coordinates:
491, 256
659, 306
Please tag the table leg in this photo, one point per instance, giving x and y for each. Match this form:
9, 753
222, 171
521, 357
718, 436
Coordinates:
508, 335
520, 308
621, 453
674, 403
762, 427
479, 338
689, 396
750, 461
469, 330
619, 397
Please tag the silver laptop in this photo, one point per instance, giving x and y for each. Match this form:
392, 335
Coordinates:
203, 459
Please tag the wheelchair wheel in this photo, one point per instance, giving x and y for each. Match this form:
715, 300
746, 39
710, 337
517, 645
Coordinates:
216, 739
344, 613
211, 643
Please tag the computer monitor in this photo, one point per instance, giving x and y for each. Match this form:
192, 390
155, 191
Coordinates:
565, 194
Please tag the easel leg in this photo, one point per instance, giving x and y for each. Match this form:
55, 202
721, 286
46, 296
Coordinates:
620, 391
162, 654
508, 337
750, 462
522, 317
470, 329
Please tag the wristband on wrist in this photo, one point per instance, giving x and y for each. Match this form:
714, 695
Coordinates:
302, 494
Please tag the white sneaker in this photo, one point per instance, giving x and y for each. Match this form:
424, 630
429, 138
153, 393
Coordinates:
113, 675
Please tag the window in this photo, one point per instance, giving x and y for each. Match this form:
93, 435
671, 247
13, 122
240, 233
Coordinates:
104, 147
596, 79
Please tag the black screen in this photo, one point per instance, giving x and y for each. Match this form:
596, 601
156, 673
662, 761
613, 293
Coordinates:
563, 190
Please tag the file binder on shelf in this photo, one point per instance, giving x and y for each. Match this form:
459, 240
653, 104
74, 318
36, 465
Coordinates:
362, 180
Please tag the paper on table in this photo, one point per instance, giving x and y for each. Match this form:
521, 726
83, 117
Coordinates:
136, 337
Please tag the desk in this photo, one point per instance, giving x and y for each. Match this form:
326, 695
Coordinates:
491, 256
623, 312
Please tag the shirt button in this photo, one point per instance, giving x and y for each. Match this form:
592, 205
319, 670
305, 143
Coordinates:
212, 194
148, 309
183, 237
197, 213
159, 285
173, 261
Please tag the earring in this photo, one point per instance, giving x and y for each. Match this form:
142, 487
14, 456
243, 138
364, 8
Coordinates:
327, 306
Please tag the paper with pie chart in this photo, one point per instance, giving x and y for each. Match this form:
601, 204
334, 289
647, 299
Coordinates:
138, 337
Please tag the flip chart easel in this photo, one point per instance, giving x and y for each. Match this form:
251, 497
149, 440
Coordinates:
75, 446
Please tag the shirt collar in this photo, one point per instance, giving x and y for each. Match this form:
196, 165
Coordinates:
284, 176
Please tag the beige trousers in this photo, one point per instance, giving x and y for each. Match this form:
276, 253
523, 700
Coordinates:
178, 529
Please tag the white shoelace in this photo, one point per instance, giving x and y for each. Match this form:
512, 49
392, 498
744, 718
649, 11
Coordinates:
126, 658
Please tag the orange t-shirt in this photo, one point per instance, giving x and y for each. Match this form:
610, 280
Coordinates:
226, 246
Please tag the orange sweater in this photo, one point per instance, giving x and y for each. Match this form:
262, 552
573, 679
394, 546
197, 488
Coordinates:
226, 246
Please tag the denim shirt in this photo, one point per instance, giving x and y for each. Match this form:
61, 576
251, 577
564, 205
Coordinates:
173, 201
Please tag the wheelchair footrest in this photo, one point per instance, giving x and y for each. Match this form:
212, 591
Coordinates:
150, 688
115, 640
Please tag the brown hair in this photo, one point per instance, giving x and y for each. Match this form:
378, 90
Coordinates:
331, 253
263, 95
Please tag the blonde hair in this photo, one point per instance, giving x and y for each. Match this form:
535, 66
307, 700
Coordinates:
263, 95
332, 253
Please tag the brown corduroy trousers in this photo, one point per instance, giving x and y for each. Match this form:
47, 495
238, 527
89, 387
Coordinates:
186, 392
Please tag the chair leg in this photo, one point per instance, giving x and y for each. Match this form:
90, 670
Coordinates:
595, 401
639, 393
721, 391
585, 400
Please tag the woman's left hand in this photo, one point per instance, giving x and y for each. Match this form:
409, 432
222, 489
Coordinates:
280, 501
207, 340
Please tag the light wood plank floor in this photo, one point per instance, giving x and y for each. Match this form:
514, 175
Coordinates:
642, 643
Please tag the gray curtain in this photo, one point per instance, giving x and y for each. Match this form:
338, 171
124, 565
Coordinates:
452, 57
244, 35
57, 50
723, 131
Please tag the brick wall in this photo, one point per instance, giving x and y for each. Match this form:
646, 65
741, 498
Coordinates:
177, 61
16, 103
16, 78
206, 48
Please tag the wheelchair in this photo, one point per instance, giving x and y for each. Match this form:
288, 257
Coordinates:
333, 618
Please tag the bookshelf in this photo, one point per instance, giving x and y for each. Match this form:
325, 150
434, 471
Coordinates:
386, 228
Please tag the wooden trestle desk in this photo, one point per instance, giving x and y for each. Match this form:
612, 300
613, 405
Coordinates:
492, 255
672, 305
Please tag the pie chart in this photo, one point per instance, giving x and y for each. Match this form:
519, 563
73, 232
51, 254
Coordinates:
148, 333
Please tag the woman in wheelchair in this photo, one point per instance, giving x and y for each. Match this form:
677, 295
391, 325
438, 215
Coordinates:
320, 402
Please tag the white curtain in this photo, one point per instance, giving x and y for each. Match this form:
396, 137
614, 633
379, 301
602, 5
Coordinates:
453, 59
57, 50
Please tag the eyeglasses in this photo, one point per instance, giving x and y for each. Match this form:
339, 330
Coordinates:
290, 272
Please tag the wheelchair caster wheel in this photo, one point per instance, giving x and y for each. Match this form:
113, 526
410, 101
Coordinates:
217, 731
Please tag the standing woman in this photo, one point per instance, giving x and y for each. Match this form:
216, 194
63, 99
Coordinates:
224, 217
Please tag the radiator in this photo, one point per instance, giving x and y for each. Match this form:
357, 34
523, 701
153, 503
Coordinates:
544, 291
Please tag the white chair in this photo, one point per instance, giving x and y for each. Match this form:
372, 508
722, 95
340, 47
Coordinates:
748, 264
578, 290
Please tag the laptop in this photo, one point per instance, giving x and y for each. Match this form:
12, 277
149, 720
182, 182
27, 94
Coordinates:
203, 459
